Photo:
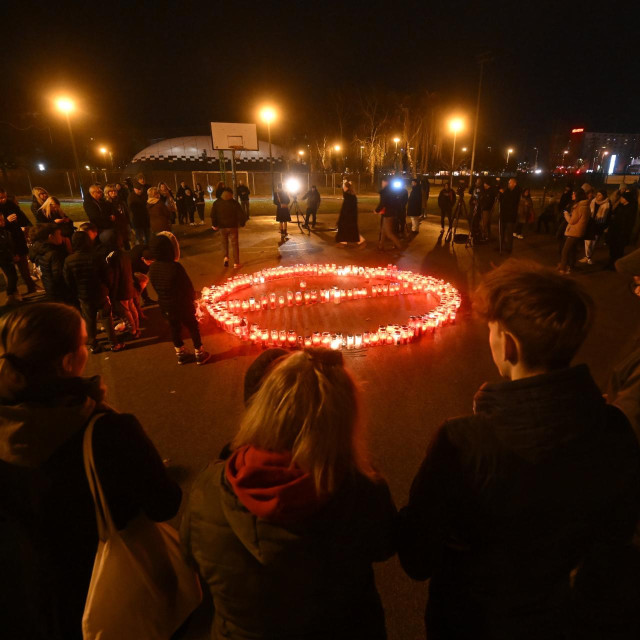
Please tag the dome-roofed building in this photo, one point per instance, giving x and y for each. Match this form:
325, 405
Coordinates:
196, 153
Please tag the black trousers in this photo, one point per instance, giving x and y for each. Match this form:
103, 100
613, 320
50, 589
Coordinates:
200, 207
443, 213
90, 310
11, 274
179, 318
506, 235
311, 213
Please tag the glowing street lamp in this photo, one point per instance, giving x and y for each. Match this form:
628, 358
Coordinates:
104, 151
464, 149
67, 106
455, 125
396, 140
268, 115
336, 147
509, 152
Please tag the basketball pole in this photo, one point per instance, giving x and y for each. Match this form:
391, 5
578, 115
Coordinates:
233, 172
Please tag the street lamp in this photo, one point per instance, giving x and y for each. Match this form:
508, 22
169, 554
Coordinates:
509, 152
536, 150
66, 106
464, 149
396, 140
104, 151
268, 115
455, 125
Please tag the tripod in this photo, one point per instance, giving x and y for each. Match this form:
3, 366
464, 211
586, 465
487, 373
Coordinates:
459, 208
296, 208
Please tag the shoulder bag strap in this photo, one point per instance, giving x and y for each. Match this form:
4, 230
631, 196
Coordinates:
103, 515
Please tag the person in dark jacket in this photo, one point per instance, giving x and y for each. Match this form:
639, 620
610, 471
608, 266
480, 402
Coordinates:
140, 261
139, 179
565, 198
620, 227
190, 206
16, 222
446, 200
99, 211
8, 259
414, 208
176, 298
199, 193
509, 202
348, 219
400, 221
389, 209
220, 187
281, 200
534, 491
86, 276
181, 203
137, 203
227, 215
286, 530
51, 213
486, 201
49, 253
48, 514
120, 211
313, 204
39, 196
159, 214
243, 194
122, 290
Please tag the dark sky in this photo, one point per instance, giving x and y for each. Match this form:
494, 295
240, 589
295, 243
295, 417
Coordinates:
144, 69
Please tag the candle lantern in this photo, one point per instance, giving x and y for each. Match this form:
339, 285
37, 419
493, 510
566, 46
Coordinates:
298, 298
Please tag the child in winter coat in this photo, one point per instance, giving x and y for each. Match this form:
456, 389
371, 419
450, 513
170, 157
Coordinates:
176, 298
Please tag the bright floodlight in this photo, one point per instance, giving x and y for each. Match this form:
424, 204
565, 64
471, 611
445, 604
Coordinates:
40, 166
464, 148
456, 124
301, 152
65, 105
396, 140
336, 147
292, 185
397, 184
103, 150
510, 150
268, 114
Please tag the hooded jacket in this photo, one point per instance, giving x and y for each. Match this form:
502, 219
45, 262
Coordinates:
50, 258
542, 479
48, 517
169, 278
302, 568
226, 213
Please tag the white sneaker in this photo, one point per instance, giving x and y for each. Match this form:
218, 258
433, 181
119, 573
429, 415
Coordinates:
584, 260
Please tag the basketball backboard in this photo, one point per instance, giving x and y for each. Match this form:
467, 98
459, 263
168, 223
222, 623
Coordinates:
240, 136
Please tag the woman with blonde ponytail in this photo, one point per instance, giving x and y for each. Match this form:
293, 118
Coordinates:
286, 530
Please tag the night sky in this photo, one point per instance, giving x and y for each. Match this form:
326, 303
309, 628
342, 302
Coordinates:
151, 69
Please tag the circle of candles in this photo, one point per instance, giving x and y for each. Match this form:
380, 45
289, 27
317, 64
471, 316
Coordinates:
225, 310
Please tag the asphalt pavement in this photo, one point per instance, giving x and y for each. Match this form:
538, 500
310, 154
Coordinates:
190, 412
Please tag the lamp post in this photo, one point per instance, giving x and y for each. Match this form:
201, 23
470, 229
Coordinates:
67, 106
536, 164
268, 115
104, 151
455, 125
509, 152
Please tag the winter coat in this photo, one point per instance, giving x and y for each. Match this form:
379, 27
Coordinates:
199, 194
310, 578
49, 528
390, 205
525, 210
170, 280
120, 275
281, 200
189, 203
487, 199
86, 277
541, 481
348, 219
121, 223
226, 213
139, 213
600, 212
577, 220
313, 199
99, 212
180, 198
50, 258
67, 228
509, 202
159, 217
243, 193
20, 242
414, 210
7, 246
565, 201
137, 263
446, 199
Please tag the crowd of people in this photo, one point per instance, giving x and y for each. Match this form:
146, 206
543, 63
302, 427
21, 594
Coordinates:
522, 514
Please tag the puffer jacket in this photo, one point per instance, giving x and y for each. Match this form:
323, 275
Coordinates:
48, 524
577, 220
85, 275
169, 278
311, 578
50, 258
159, 216
226, 213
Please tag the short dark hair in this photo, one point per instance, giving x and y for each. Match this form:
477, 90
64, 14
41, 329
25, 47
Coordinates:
81, 241
44, 231
548, 313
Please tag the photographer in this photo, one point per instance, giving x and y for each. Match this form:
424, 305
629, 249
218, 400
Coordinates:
313, 204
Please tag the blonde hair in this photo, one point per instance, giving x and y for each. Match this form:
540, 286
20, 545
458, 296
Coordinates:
37, 192
153, 194
46, 206
33, 341
308, 405
107, 188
